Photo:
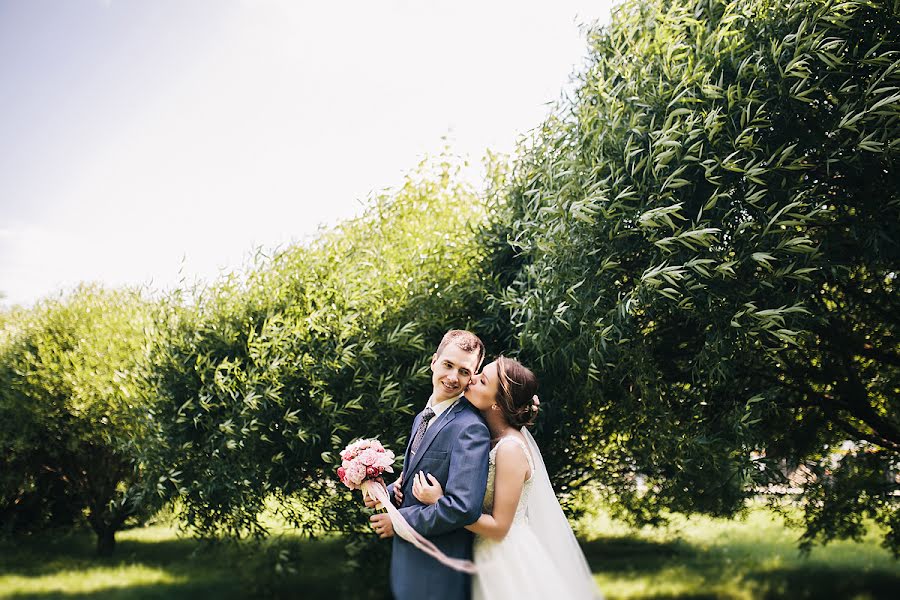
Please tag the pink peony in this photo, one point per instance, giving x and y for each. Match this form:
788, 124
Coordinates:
356, 473
368, 457
364, 459
385, 460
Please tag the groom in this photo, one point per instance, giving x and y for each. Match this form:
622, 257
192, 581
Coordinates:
450, 440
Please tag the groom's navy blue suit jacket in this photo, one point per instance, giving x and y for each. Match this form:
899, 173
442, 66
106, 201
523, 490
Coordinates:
455, 451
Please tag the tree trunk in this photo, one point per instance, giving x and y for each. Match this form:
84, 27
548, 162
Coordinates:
106, 541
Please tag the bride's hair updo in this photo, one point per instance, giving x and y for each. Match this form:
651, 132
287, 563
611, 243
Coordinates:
516, 392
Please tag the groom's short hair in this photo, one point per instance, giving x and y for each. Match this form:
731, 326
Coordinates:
464, 340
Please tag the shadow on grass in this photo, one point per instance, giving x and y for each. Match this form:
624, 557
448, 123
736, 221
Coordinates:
193, 570
684, 596
199, 570
715, 573
631, 554
169, 591
816, 581
38, 556
137, 592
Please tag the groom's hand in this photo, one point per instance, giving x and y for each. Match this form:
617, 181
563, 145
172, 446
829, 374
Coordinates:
382, 525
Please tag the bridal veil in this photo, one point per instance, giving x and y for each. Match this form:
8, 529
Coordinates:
547, 520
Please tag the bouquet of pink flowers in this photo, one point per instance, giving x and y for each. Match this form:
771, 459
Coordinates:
362, 464
364, 460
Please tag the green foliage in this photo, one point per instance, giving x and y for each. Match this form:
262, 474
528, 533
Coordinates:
699, 251
843, 501
698, 254
72, 411
264, 378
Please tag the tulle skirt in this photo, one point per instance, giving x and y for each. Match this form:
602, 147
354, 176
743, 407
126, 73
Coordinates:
518, 568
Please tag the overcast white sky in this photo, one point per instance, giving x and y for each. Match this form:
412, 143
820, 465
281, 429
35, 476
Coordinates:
141, 137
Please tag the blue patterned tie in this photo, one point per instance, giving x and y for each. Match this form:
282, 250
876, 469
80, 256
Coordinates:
427, 415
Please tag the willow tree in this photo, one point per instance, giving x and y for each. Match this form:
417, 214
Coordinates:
73, 412
700, 250
267, 375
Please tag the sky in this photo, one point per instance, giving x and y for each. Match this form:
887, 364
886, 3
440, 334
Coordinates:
143, 142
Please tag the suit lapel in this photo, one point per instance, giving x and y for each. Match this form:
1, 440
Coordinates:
430, 434
412, 434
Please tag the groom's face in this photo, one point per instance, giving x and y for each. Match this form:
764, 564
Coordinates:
451, 371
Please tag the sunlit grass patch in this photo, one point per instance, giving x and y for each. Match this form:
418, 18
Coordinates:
160, 561
88, 580
149, 562
750, 557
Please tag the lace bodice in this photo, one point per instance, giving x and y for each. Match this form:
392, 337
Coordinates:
538, 557
488, 505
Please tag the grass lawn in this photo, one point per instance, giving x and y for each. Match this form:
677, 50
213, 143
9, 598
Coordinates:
752, 558
695, 558
156, 562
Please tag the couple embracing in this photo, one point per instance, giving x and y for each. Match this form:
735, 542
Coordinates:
474, 484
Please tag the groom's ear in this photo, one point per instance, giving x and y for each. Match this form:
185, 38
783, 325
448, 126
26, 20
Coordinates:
433, 359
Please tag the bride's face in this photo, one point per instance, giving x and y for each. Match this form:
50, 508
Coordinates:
482, 391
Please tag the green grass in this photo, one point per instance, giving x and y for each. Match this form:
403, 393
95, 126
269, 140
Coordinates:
697, 558
751, 558
156, 562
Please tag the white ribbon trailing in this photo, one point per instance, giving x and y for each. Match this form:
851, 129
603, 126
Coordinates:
376, 491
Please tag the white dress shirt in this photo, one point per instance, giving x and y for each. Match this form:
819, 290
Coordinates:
440, 408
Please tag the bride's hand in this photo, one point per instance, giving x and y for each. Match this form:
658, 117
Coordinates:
398, 495
427, 490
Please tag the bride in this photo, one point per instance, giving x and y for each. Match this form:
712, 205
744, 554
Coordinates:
524, 547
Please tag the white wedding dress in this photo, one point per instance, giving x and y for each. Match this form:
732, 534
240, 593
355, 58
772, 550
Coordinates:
539, 558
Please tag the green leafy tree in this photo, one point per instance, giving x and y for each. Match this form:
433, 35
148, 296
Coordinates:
266, 376
73, 412
700, 251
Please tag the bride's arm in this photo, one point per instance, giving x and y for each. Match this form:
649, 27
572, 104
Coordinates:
511, 471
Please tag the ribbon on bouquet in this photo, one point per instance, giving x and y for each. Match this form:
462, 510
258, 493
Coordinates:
376, 491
